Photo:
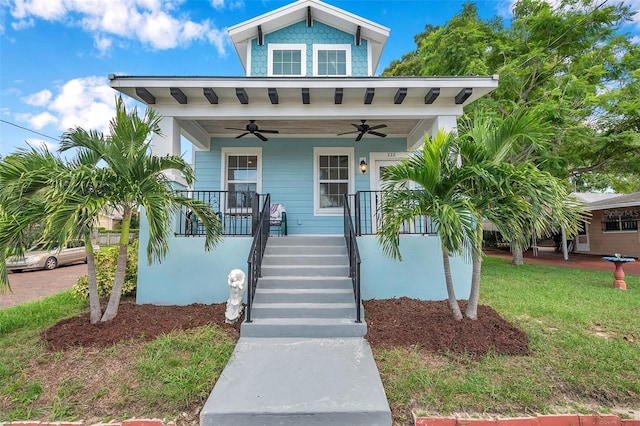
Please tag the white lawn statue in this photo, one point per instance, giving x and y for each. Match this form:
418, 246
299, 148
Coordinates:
237, 287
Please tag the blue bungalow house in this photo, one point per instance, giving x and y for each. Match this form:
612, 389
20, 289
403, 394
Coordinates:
307, 124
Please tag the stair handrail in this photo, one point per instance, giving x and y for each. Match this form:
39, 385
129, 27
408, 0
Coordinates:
354, 256
256, 253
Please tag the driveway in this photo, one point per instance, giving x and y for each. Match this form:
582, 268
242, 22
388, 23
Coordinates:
34, 285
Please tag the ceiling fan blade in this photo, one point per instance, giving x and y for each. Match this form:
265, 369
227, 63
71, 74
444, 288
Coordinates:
379, 126
359, 137
234, 128
347, 133
244, 134
270, 131
382, 135
261, 137
357, 126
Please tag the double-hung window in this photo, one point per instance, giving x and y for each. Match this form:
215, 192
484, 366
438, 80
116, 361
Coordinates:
241, 177
331, 60
333, 177
287, 60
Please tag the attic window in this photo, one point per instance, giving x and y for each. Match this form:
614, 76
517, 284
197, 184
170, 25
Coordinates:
332, 60
287, 60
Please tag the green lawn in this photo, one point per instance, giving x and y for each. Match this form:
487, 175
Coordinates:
585, 349
584, 338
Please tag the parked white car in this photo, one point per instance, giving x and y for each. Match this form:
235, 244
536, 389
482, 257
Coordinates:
39, 258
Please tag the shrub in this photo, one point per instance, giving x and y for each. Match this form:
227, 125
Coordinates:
106, 261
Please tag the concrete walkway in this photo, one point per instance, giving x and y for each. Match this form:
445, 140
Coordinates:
34, 285
299, 381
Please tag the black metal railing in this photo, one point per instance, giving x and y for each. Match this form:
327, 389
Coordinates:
369, 217
254, 261
238, 212
354, 256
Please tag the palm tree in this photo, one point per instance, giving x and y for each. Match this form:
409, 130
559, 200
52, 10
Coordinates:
136, 179
39, 187
434, 168
514, 195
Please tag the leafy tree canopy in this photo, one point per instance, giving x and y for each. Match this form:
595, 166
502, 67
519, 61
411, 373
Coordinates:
569, 64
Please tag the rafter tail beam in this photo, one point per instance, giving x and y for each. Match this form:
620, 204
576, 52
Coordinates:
309, 17
368, 97
260, 36
463, 95
306, 99
432, 95
358, 36
400, 95
178, 95
273, 96
337, 98
145, 95
211, 96
242, 96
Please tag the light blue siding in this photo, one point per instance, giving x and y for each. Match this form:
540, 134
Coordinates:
318, 33
189, 274
287, 174
420, 274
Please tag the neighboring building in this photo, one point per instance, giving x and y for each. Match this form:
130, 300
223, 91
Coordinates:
110, 219
294, 127
613, 227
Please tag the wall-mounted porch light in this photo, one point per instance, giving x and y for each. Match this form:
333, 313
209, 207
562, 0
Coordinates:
363, 165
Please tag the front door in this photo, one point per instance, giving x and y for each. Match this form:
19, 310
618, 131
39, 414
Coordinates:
376, 185
582, 239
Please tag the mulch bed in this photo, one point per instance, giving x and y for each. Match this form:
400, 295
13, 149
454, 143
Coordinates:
429, 325
399, 322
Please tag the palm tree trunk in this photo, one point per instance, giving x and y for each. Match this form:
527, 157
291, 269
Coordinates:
453, 302
474, 294
121, 268
94, 299
518, 256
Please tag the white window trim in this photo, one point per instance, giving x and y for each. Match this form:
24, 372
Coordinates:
317, 152
318, 47
226, 151
303, 58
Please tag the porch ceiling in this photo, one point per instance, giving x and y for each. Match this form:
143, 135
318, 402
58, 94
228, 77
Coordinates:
308, 127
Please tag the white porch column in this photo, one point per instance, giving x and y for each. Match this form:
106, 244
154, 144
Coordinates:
168, 143
447, 123
415, 139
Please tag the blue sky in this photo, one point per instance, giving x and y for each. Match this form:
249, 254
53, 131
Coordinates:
55, 55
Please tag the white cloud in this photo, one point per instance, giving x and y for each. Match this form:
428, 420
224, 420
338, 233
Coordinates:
635, 39
38, 99
154, 23
45, 9
41, 144
23, 24
41, 120
222, 4
103, 44
86, 102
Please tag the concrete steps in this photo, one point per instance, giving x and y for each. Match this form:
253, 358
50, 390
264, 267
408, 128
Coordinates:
304, 291
303, 359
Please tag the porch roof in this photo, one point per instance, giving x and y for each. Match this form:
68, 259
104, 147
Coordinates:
211, 99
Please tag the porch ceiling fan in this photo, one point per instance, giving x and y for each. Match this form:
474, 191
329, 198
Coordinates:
364, 128
252, 128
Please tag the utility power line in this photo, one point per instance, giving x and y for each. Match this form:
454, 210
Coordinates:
29, 130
